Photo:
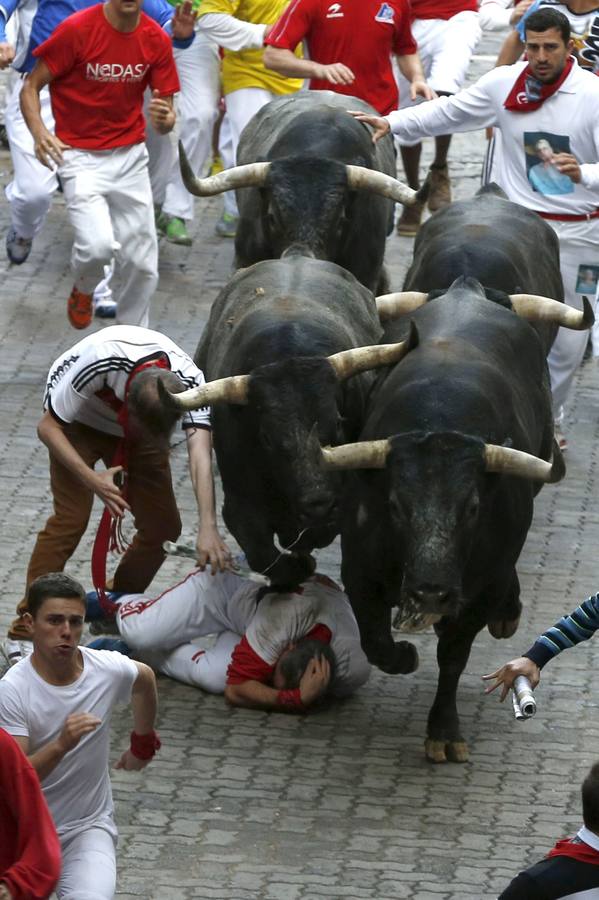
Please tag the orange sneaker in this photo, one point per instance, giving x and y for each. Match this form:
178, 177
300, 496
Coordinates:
80, 308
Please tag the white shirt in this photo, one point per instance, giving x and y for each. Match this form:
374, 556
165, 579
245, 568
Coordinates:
570, 115
281, 619
23, 17
78, 790
102, 362
232, 33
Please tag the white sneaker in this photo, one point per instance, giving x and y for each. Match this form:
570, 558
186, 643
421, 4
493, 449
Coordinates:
15, 651
104, 304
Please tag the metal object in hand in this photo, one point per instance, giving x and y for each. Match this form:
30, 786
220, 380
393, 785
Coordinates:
523, 700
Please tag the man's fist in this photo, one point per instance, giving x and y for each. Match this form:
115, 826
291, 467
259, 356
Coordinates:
75, 727
315, 680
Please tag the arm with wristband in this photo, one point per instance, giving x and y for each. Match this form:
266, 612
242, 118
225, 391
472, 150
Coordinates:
144, 740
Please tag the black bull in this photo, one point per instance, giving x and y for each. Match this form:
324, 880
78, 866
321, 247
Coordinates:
308, 174
278, 321
503, 245
433, 530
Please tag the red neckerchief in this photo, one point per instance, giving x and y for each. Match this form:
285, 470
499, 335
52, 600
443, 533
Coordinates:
576, 849
109, 536
528, 93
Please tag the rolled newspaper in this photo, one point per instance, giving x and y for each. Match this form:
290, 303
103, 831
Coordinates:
523, 700
239, 561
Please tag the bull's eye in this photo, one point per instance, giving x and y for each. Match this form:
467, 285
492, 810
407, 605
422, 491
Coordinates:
472, 508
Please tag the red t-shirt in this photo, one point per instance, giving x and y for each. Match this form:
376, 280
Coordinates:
29, 847
361, 34
100, 75
432, 9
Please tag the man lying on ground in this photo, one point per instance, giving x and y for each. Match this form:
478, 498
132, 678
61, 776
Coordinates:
280, 651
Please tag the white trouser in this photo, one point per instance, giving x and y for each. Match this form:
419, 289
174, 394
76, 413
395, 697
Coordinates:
109, 203
578, 248
197, 107
445, 47
161, 630
88, 866
31, 189
242, 105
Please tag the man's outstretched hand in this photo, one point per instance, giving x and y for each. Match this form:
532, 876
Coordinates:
381, 126
507, 674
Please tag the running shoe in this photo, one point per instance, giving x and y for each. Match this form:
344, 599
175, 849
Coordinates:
80, 308
114, 644
93, 607
105, 306
226, 225
176, 232
17, 248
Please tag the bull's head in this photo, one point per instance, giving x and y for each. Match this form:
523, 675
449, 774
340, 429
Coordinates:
438, 486
293, 407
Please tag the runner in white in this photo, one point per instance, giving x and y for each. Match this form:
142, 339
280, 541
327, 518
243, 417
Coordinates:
267, 651
447, 34
550, 130
57, 704
102, 388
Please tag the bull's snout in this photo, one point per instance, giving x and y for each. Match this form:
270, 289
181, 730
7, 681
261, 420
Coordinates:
318, 507
434, 598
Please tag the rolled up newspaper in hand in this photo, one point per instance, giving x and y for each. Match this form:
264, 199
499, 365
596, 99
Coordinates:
523, 700
239, 563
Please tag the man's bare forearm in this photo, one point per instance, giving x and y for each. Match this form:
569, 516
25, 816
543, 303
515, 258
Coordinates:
144, 700
199, 448
31, 108
287, 63
253, 695
45, 760
411, 67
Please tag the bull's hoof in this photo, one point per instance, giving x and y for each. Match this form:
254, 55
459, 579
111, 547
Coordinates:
504, 628
403, 661
446, 751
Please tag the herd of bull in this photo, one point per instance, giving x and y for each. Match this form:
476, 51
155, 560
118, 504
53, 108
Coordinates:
418, 425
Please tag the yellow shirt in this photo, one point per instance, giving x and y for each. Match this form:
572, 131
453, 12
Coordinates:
244, 68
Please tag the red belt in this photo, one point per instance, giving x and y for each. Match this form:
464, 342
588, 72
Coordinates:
563, 217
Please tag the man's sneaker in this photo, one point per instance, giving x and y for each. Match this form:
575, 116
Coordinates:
176, 232
160, 219
80, 308
93, 607
226, 225
17, 248
440, 188
104, 303
408, 223
114, 644
15, 651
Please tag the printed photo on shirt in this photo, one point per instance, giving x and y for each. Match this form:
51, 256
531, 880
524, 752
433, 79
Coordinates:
586, 279
540, 149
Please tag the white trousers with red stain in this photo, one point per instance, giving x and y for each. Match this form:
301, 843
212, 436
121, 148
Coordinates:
197, 107
162, 630
242, 105
30, 191
579, 250
109, 204
88, 866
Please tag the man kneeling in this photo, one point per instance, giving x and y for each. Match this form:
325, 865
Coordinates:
280, 651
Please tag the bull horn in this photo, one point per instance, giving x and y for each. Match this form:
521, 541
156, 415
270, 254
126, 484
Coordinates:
225, 390
363, 455
351, 362
507, 461
544, 309
390, 306
361, 178
252, 175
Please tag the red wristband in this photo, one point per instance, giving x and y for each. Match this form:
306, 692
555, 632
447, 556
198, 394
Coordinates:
290, 698
144, 746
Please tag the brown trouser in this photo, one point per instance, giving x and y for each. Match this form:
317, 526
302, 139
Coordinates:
150, 495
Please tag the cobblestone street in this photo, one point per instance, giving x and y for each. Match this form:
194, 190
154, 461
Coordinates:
340, 803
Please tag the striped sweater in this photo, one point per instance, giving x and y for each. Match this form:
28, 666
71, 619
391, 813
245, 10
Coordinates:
579, 626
